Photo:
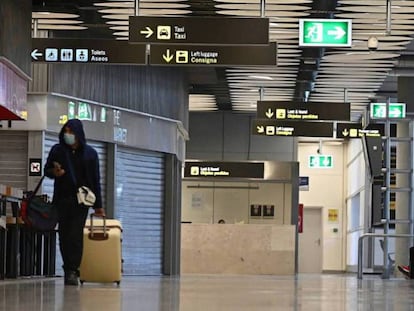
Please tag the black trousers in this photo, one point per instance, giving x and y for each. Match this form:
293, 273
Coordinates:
72, 219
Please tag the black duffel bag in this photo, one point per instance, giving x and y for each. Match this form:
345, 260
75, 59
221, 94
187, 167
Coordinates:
37, 211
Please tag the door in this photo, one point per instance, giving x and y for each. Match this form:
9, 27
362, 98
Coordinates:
310, 241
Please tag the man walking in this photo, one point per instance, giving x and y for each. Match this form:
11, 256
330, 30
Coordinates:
72, 163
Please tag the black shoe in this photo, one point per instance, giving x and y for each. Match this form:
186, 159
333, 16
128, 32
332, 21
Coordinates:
71, 278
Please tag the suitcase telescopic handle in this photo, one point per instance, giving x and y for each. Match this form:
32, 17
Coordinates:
104, 236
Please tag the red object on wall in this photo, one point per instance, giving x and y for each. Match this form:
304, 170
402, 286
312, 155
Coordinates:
300, 218
6, 114
13, 91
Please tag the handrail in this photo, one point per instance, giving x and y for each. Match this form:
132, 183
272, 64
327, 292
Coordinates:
9, 198
375, 235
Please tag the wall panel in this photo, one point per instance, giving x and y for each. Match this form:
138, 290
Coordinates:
15, 32
160, 91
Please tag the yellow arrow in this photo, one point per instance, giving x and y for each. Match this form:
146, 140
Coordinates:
168, 57
345, 132
260, 129
269, 113
148, 32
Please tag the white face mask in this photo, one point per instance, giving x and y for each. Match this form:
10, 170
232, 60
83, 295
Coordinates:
69, 138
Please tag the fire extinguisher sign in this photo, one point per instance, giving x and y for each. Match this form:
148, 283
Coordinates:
35, 167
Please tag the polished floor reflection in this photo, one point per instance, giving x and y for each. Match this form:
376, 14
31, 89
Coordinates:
212, 292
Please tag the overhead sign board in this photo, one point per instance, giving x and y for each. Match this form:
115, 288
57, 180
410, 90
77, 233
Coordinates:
325, 32
87, 51
224, 169
354, 130
395, 110
303, 111
292, 128
213, 55
320, 161
198, 30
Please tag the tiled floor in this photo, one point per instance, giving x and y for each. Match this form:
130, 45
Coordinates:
212, 292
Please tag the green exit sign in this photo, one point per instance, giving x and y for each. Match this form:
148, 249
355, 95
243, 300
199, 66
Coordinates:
320, 161
325, 32
395, 110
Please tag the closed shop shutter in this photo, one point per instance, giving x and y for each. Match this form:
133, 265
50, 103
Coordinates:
13, 158
52, 139
47, 185
102, 155
139, 201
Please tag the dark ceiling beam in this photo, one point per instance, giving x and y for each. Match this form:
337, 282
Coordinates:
222, 94
218, 88
323, 8
88, 14
311, 56
202, 7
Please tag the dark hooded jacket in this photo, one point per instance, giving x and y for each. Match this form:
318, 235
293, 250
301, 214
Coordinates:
67, 185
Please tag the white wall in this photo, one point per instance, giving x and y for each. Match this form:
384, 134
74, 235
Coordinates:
208, 202
346, 188
358, 197
326, 189
355, 200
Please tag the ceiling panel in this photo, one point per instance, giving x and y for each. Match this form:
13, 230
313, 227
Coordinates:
355, 74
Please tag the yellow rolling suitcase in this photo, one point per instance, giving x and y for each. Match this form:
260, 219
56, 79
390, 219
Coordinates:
101, 259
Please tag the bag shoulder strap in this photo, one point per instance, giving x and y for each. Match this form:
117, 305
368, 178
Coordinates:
38, 186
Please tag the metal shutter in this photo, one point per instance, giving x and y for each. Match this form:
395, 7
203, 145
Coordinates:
52, 139
102, 155
13, 158
47, 185
139, 201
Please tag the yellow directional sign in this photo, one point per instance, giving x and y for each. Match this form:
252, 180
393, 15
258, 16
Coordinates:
291, 128
201, 55
303, 112
199, 30
147, 32
167, 56
354, 130
210, 169
269, 113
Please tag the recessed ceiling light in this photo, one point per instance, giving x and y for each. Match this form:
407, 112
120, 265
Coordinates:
58, 21
53, 15
258, 77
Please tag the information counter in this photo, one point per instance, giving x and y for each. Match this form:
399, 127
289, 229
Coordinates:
238, 249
